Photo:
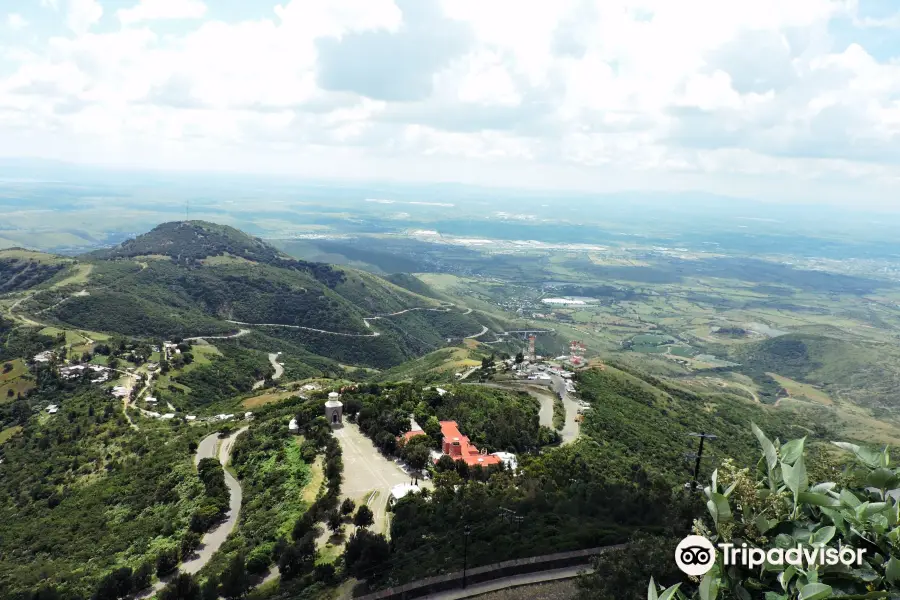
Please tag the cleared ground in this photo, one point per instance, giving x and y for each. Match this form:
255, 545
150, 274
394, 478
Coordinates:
365, 471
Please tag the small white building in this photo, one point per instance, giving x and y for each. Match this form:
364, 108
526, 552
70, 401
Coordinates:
248, 415
120, 391
508, 459
168, 416
43, 357
401, 490
150, 400
191, 417
52, 409
441, 391
293, 427
224, 417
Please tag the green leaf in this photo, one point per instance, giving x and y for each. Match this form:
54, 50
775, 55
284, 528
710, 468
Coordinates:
784, 578
881, 478
817, 499
815, 591
670, 592
793, 450
822, 536
741, 593
763, 524
869, 457
651, 591
795, 477
774, 596
768, 448
822, 488
723, 510
892, 570
709, 586
849, 499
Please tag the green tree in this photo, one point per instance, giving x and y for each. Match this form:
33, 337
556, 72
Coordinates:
347, 507
235, 581
183, 587
364, 517
416, 455
365, 552
432, 429
335, 522
210, 588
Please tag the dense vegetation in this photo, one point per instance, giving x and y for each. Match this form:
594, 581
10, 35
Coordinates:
191, 241
633, 409
82, 494
280, 511
232, 371
776, 504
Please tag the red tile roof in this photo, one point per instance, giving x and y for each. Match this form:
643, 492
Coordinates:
411, 434
458, 447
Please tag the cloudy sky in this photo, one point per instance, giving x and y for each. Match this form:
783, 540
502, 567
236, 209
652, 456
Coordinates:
775, 99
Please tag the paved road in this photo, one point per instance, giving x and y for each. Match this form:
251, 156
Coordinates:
483, 331
571, 429
365, 470
231, 336
279, 368
479, 589
214, 539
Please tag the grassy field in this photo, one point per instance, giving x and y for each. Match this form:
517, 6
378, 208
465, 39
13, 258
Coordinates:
317, 477
8, 433
17, 380
80, 275
795, 389
268, 398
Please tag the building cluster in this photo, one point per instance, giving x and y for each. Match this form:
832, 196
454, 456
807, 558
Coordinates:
100, 374
458, 447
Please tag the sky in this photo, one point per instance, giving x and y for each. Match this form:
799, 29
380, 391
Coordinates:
781, 100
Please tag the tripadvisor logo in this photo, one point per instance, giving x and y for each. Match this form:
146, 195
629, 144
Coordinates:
695, 555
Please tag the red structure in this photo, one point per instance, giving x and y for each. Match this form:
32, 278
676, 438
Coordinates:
458, 447
410, 435
577, 350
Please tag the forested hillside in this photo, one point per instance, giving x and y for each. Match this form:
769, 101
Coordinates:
195, 278
81, 494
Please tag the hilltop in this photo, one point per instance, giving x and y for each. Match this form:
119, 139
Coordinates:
194, 278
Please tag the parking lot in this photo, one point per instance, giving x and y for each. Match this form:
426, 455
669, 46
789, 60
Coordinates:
367, 470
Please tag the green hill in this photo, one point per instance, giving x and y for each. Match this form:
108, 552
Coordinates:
194, 278
863, 373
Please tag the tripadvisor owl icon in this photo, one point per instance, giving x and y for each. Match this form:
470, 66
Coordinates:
695, 555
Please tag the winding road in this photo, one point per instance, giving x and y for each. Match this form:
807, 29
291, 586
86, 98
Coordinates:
214, 539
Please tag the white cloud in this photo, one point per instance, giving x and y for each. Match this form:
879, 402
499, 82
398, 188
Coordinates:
157, 10
82, 15
15, 21
601, 90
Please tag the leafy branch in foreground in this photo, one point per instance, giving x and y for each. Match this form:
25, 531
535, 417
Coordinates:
775, 509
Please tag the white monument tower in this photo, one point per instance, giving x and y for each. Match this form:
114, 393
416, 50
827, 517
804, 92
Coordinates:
334, 409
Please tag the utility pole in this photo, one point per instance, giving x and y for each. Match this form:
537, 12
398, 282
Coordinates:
699, 456
467, 530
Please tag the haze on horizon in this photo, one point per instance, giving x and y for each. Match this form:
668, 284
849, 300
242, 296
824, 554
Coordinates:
794, 102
